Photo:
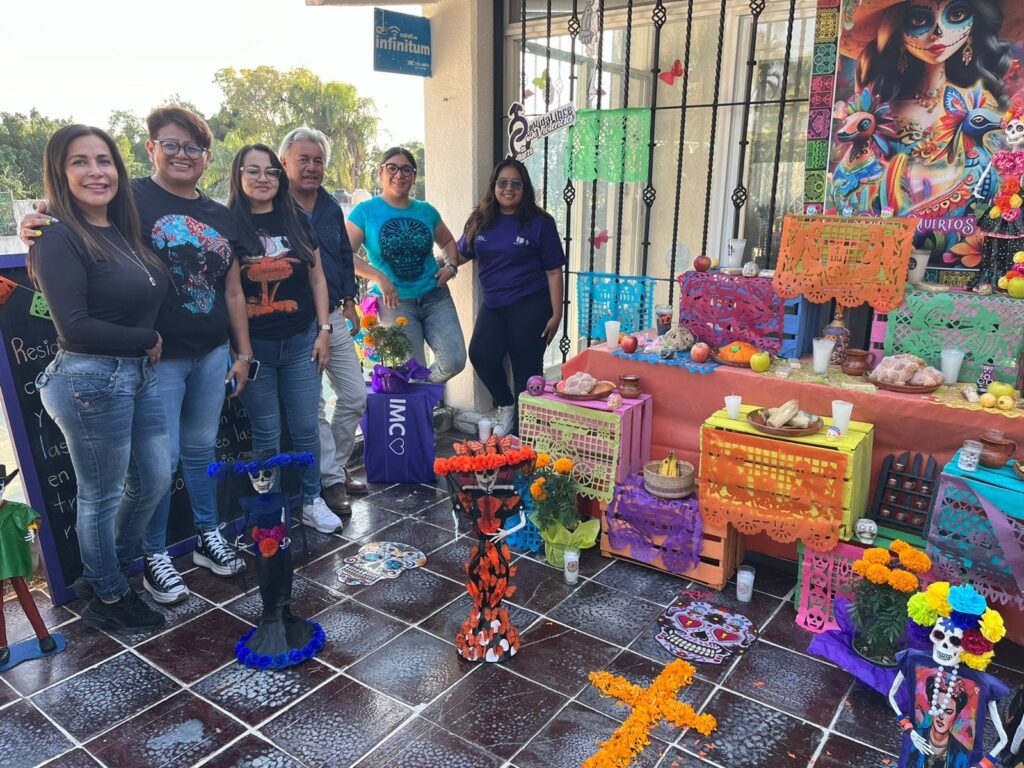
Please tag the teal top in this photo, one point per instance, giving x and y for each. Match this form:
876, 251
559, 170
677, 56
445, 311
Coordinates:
400, 243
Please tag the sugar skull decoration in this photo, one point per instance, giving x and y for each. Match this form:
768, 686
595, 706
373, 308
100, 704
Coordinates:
379, 560
943, 697
696, 630
535, 385
866, 531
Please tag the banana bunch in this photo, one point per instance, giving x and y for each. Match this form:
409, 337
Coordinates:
669, 467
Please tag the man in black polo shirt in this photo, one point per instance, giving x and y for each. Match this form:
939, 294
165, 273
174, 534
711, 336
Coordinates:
305, 153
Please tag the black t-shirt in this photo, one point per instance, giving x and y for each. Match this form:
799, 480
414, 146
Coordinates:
100, 308
196, 240
278, 298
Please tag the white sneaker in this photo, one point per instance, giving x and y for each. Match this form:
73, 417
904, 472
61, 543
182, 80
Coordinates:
316, 514
503, 418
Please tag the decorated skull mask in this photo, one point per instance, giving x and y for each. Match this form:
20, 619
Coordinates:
866, 531
263, 480
535, 385
1015, 134
700, 631
947, 643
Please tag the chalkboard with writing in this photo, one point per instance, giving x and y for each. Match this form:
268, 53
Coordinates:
29, 342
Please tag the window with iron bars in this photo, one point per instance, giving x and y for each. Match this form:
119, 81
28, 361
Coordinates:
727, 139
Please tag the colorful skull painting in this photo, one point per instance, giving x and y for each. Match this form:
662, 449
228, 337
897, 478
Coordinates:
695, 630
379, 560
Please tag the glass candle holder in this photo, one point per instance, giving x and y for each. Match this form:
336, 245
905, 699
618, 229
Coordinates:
969, 455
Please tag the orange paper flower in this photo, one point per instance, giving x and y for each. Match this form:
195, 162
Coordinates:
268, 547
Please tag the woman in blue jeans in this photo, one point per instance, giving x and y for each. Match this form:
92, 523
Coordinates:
399, 234
286, 300
104, 288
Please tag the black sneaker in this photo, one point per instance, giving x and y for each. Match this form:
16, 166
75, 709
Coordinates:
161, 579
213, 552
127, 616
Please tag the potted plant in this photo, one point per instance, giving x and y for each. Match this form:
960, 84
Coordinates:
391, 350
553, 491
888, 577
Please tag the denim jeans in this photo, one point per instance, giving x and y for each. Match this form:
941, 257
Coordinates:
338, 436
110, 413
192, 392
432, 318
287, 375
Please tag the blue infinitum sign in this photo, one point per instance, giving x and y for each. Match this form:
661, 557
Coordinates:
401, 43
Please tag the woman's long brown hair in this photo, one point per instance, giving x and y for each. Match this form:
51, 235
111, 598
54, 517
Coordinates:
61, 204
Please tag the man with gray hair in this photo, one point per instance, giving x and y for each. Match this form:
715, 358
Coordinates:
305, 153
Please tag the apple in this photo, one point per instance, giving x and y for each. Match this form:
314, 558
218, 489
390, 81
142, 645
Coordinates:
1016, 287
1006, 403
760, 362
629, 345
702, 263
1000, 389
700, 352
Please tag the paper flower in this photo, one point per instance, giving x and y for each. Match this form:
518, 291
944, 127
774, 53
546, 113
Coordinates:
919, 610
992, 627
975, 643
937, 597
965, 599
978, 662
268, 547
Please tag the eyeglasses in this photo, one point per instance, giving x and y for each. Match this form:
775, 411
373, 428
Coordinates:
514, 184
172, 148
274, 174
392, 169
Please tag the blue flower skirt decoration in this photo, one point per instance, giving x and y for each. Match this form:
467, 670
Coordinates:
281, 639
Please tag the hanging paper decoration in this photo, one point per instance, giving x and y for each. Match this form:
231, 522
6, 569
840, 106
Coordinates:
849, 259
7, 288
599, 239
609, 145
542, 80
39, 306
669, 76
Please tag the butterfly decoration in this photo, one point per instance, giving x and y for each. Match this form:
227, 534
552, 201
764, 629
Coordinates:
527, 94
489, 448
669, 75
599, 239
541, 80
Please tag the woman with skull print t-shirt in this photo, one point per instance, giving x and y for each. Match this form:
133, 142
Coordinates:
399, 234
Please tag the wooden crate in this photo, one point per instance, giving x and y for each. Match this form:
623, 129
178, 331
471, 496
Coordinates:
805, 488
723, 550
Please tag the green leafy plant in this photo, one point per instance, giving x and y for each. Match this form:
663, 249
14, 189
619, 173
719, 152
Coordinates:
392, 345
553, 492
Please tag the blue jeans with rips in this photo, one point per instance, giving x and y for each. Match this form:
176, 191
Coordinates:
192, 392
287, 377
110, 413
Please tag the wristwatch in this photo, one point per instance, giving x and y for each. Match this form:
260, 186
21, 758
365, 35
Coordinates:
326, 327
245, 358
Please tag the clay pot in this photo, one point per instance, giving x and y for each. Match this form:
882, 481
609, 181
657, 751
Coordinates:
996, 449
629, 386
858, 362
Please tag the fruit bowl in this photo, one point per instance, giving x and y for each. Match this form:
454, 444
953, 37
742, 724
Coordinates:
669, 487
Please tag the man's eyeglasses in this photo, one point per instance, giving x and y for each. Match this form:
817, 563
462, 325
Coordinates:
514, 184
274, 174
172, 148
405, 170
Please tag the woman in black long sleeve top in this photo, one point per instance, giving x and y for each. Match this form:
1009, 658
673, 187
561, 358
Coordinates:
103, 289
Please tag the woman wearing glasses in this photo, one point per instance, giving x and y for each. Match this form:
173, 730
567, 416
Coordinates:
399, 234
519, 261
286, 300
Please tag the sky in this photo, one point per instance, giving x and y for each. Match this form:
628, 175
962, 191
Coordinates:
86, 58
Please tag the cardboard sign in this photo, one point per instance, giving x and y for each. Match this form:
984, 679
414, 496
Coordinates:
523, 131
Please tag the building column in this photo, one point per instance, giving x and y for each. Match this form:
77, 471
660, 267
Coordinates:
459, 125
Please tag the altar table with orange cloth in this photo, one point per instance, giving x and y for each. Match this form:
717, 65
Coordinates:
683, 400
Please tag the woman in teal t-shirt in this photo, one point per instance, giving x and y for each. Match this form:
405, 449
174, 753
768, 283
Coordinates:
399, 234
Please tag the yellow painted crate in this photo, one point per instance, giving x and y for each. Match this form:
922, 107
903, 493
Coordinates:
805, 488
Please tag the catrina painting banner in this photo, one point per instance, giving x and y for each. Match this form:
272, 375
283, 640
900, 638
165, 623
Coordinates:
921, 90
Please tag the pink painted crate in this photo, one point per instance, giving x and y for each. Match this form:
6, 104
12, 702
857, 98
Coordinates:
605, 446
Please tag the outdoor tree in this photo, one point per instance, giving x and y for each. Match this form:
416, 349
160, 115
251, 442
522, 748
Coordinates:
22, 144
129, 133
262, 104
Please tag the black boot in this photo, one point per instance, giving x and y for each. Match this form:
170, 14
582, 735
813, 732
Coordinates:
47, 644
281, 639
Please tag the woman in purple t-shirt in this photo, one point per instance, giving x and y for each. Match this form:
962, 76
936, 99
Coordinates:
519, 260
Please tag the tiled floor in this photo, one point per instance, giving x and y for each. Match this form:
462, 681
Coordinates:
388, 690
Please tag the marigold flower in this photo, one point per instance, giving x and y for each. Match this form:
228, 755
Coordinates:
401, 320
860, 567
368, 322
898, 546
902, 581
876, 555
915, 560
877, 574
563, 466
543, 459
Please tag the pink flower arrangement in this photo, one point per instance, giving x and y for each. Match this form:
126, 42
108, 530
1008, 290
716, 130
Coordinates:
268, 540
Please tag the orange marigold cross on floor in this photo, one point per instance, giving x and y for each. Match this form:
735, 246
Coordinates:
650, 706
